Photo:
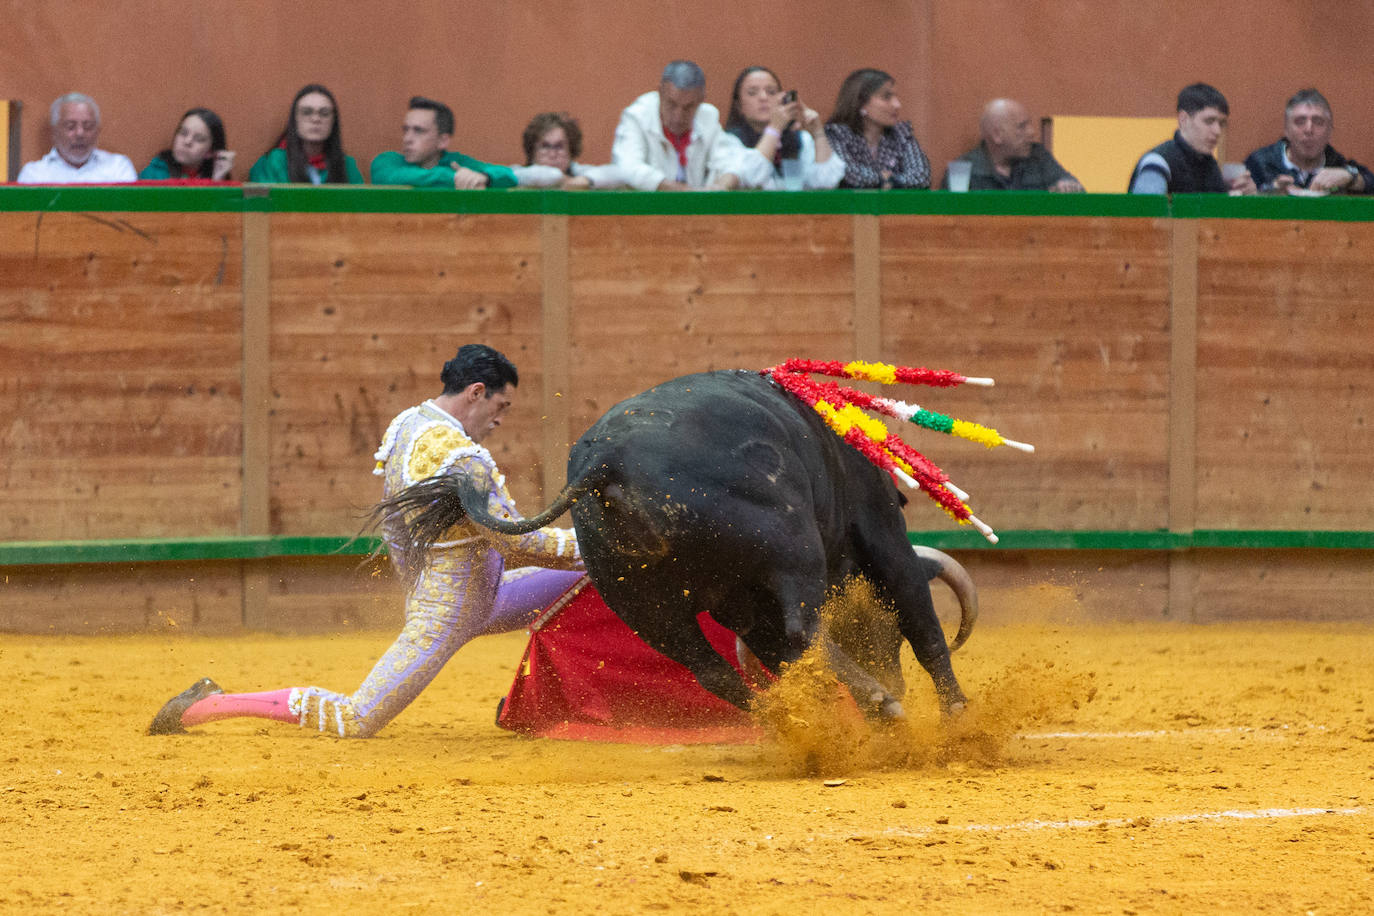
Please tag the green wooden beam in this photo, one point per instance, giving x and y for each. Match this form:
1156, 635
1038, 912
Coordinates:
1336, 208
370, 199
157, 550
1237, 539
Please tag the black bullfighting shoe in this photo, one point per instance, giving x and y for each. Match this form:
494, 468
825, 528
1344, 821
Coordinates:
168, 718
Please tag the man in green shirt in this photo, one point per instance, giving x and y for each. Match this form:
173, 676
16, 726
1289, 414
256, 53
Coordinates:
425, 161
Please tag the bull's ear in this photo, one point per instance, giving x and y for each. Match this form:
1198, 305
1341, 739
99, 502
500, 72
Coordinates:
902, 499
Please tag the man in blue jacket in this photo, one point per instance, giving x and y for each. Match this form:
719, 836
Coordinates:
1304, 156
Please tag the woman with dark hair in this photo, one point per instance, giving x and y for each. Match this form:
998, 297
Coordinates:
552, 142
310, 149
774, 129
879, 150
197, 150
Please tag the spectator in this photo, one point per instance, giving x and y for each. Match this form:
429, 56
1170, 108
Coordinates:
310, 149
425, 161
553, 141
670, 140
74, 158
1304, 157
197, 150
878, 150
1186, 163
1008, 158
766, 127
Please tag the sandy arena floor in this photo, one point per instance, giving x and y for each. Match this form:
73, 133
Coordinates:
1127, 769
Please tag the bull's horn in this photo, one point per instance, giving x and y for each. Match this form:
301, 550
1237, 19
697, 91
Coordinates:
957, 578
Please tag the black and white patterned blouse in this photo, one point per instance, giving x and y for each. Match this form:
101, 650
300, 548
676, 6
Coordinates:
898, 154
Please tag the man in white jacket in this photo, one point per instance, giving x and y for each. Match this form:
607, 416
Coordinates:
670, 140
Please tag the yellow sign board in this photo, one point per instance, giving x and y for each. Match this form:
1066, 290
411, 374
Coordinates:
10, 149
1101, 152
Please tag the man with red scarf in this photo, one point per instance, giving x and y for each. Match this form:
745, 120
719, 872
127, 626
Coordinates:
670, 139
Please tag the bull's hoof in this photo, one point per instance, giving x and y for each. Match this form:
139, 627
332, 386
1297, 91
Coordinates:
883, 707
168, 718
954, 711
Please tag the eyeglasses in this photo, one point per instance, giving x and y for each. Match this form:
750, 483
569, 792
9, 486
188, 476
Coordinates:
325, 113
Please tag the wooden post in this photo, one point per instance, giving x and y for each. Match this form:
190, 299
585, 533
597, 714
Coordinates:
10, 138
555, 346
255, 517
1183, 413
868, 292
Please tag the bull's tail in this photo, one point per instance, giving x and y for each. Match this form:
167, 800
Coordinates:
953, 574
425, 511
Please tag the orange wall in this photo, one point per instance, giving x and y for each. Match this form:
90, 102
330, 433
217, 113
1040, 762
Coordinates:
146, 61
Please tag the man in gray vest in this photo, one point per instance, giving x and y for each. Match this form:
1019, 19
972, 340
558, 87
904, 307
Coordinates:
1187, 164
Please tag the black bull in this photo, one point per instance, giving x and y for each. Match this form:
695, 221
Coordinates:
721, 492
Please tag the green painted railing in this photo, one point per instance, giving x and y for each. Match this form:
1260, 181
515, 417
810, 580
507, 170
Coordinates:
155, 550
367, 199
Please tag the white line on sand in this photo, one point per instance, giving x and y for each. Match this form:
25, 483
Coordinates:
1257, 814
1278, 731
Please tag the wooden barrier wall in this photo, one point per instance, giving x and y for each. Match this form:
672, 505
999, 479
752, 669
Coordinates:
192, 374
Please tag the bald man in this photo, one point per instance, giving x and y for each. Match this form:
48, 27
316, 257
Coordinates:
1008, 158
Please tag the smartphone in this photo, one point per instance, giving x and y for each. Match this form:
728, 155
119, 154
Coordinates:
789, 97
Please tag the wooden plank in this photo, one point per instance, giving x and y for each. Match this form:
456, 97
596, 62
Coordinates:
255, 515
365, 310
406, 254
1108, 586
1183, 412
301, 594
1285, 376
119, 495
329, 594
1070, 316
1061, 589
556, 394
10, 138
1277, 585
120, 598
657, 297
868, 293
120, 374
257, 370
1183, 377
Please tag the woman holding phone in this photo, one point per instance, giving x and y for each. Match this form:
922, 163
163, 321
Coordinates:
782, 143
